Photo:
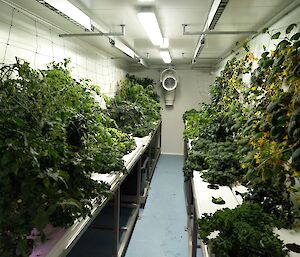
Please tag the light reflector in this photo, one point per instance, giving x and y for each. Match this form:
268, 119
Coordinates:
165, 43
68, 11
124, 48
150, 24
165, 55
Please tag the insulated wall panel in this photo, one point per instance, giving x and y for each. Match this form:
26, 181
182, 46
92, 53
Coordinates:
38, 42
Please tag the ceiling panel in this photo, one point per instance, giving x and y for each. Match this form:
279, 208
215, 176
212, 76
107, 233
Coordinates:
238, 15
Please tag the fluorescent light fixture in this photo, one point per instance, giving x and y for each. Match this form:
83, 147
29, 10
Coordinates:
215, 13
146, 1
100, 27
165, 43
199, 48
165, 55
150, 24
122, 47
142, 62
68, 11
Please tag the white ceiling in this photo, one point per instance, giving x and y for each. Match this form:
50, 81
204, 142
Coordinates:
238, 15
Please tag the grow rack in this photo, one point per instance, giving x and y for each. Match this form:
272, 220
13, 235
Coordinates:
128, 190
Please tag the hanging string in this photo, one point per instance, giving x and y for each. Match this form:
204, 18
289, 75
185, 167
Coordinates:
52, 43
36, 43
9, 33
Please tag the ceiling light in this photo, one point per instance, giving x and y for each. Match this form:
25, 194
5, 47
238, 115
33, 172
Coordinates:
68, 11
199, 48
122, 47
165, 55
165, 43
150, 24
215, 13
142, 62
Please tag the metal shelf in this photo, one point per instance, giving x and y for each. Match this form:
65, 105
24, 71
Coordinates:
60, 241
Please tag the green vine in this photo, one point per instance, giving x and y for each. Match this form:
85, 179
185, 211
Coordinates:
256, 125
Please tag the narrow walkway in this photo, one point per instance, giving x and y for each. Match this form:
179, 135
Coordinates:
160, 230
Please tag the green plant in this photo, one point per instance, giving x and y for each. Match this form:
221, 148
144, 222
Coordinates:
134, 109
194, 120
53, 135
216, 161
146, 83
274, 199
129, 118
246, 231
269, 138
261, 119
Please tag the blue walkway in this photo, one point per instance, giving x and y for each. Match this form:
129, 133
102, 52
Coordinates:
160, 230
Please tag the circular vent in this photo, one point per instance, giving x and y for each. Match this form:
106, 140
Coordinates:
169, 79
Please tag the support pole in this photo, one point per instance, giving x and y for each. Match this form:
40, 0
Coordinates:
213, 32
93, 34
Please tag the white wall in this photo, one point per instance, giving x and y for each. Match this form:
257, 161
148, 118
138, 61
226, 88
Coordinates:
192, 90
39, 44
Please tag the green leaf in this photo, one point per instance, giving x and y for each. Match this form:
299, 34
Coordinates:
264, 54
258, 135
246, 47
41, 219
276, 35
296, 45
283, 44
71, 202
296, 36
290, 28
265, 30
278, 61
6, 158
20, 122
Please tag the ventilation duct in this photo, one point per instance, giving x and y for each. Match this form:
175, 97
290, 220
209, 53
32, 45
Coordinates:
169, 82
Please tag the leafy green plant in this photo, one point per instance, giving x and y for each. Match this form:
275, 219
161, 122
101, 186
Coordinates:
146, 83
274, 199
246, 231
53, 135
261, 119
134, 109
216, 161
269, 138
194, 119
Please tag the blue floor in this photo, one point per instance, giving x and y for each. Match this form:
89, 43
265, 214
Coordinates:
160, 230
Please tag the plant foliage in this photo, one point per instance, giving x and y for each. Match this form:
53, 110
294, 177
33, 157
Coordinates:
135, 108
53, 136
253, 130
246, 231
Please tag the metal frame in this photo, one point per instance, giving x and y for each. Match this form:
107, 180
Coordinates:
93, 34
151, 156
130, 199
212, 32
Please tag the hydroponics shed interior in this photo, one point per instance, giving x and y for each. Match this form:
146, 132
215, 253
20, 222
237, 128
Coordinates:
149, 128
